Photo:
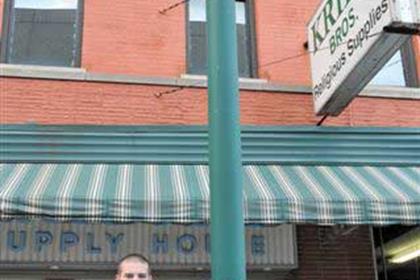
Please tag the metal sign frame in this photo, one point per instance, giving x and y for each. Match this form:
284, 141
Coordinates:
349, 46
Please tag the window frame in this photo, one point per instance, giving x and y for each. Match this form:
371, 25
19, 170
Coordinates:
5, 32
250, 32
409, 64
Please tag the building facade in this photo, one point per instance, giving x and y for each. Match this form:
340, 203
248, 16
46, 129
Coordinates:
143, 63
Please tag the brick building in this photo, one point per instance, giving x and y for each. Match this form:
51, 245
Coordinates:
109, 67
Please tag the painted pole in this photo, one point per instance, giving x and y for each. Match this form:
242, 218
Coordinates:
226, 220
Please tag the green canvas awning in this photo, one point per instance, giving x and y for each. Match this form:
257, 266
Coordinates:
180, 193
322, 175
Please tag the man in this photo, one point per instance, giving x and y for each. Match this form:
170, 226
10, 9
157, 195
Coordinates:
134, 267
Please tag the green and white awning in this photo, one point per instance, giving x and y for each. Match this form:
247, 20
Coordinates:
273, 194
320, 175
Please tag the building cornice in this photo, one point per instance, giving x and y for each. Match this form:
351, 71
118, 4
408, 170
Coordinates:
185, 81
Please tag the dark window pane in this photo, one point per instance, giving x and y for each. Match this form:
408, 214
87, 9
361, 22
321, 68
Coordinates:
198, 48
197, 44
243, 51
43, 35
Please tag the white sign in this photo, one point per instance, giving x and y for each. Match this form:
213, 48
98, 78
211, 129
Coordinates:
348, 46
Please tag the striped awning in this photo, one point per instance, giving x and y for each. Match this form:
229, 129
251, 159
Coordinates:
273, 194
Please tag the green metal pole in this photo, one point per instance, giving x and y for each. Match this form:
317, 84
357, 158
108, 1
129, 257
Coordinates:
226, 221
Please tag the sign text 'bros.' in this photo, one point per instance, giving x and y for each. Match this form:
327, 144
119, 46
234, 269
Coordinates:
348, 46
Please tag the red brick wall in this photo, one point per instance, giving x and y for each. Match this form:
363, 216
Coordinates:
127, 37
124, 37
343, 257
61, 102
281, 33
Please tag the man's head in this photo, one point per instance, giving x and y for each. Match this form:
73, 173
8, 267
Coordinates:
133, 267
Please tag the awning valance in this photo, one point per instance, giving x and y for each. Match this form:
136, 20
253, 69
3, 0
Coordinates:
180, 193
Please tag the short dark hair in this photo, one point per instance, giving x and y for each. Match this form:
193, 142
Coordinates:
138, 257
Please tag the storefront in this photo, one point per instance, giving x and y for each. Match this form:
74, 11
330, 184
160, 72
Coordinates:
74, 200
90, 251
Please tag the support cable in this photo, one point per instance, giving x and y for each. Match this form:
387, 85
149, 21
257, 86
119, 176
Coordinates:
173, 6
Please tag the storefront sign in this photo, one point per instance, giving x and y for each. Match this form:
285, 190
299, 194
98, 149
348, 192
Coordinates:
40, 242
348, 46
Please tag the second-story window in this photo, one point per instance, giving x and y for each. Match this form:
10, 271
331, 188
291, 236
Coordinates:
197, 38
400, 70
42, 32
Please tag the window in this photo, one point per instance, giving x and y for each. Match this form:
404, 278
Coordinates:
400, 70
197, 38
42, 32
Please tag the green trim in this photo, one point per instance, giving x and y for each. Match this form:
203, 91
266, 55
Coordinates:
192, 128
188, 145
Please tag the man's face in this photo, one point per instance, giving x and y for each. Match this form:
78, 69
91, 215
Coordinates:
133, 270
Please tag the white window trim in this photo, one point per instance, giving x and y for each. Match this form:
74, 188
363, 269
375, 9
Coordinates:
193, 81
